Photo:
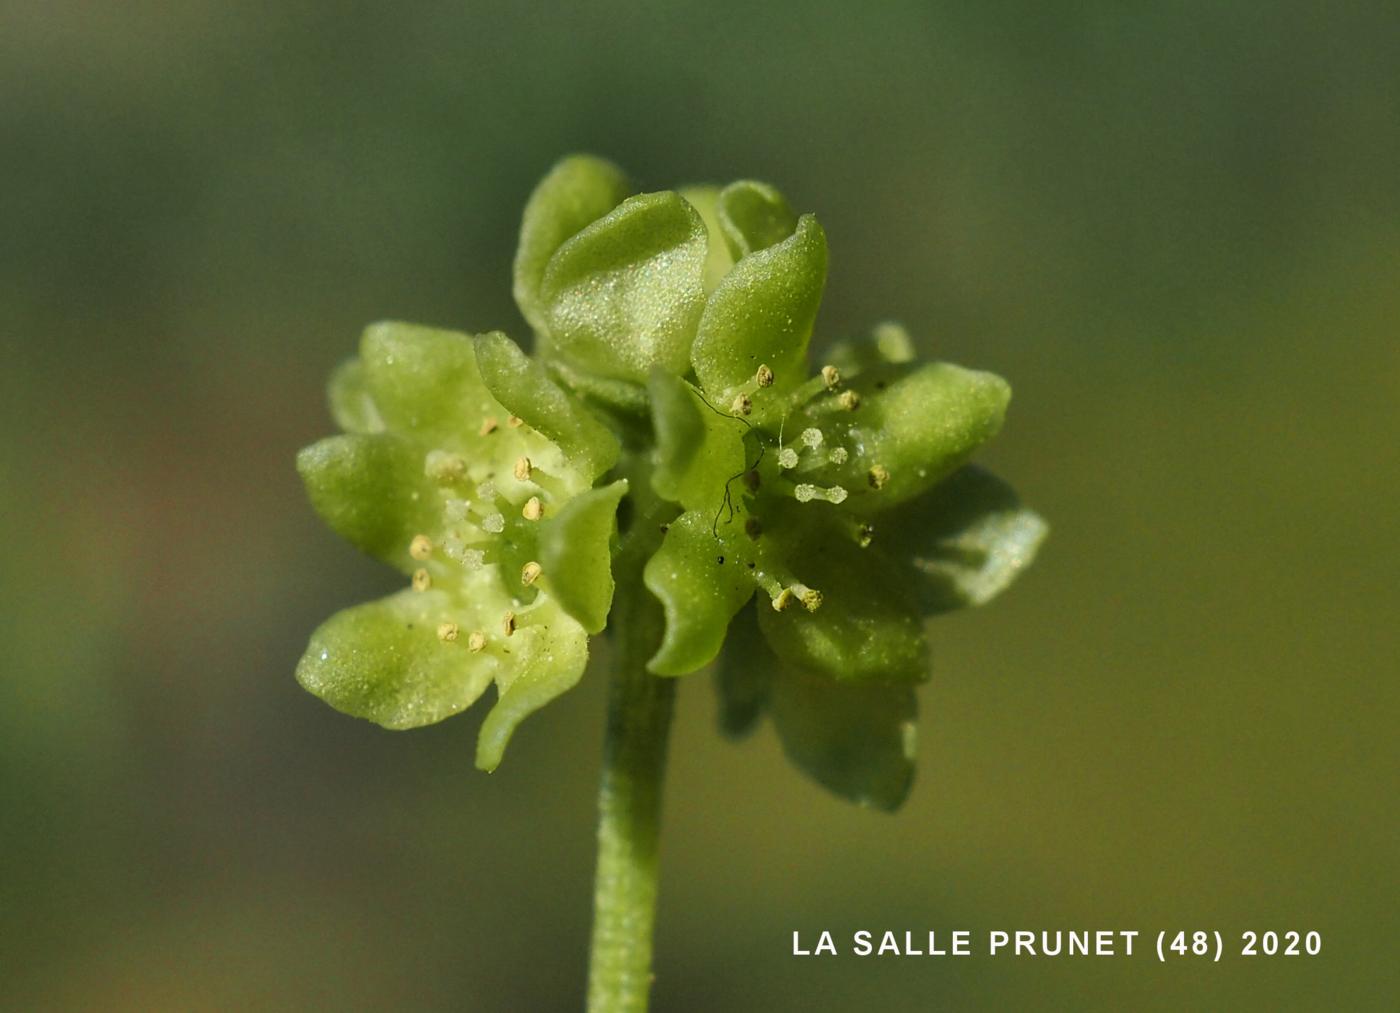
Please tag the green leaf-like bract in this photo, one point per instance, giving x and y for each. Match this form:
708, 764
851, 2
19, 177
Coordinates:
671, 369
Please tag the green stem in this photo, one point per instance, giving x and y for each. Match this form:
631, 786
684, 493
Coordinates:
629, 806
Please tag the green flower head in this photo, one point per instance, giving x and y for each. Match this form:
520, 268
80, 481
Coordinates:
670, 370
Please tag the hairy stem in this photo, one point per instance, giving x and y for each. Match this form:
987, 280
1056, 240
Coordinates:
629, 805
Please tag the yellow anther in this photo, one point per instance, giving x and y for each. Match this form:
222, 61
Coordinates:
764, 376
533, 509
849, 400
515, 422
864, 534
476, 642
878, 476
421, 547
447, 632
783, 601
488, 425
530, 572
508, 623
421, 580
741, 405
831, 376
522, 469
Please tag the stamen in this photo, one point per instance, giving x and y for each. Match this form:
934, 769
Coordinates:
533, 509
878, 476
849, 400
522, 470
493, 523
476, 642
515, 422
764, 376
810, 597
783, 601
812, 438
838, 455
831, 376
447, 632
508, 623
742, 404
421, 547
806, 492
787, 458
530, 572
421, 580
488, 425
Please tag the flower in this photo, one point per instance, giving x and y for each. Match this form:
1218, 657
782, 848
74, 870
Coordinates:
464, 466
670, 366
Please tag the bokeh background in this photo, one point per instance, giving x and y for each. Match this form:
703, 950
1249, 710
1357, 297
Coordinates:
1174, 227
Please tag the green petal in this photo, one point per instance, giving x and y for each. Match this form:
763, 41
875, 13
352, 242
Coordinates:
753, 216
387, 661
701, 581
762, 314
867, 626
969, 538
576, 192
698, 449
575, 551
857, 740
547, 657
887, 344
626, 293
370, 489
718, 261
384, 661
917, 425
522, 386
615, 395
425, 382
352, 405
744, 675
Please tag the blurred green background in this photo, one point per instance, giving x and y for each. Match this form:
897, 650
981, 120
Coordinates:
1174, 227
